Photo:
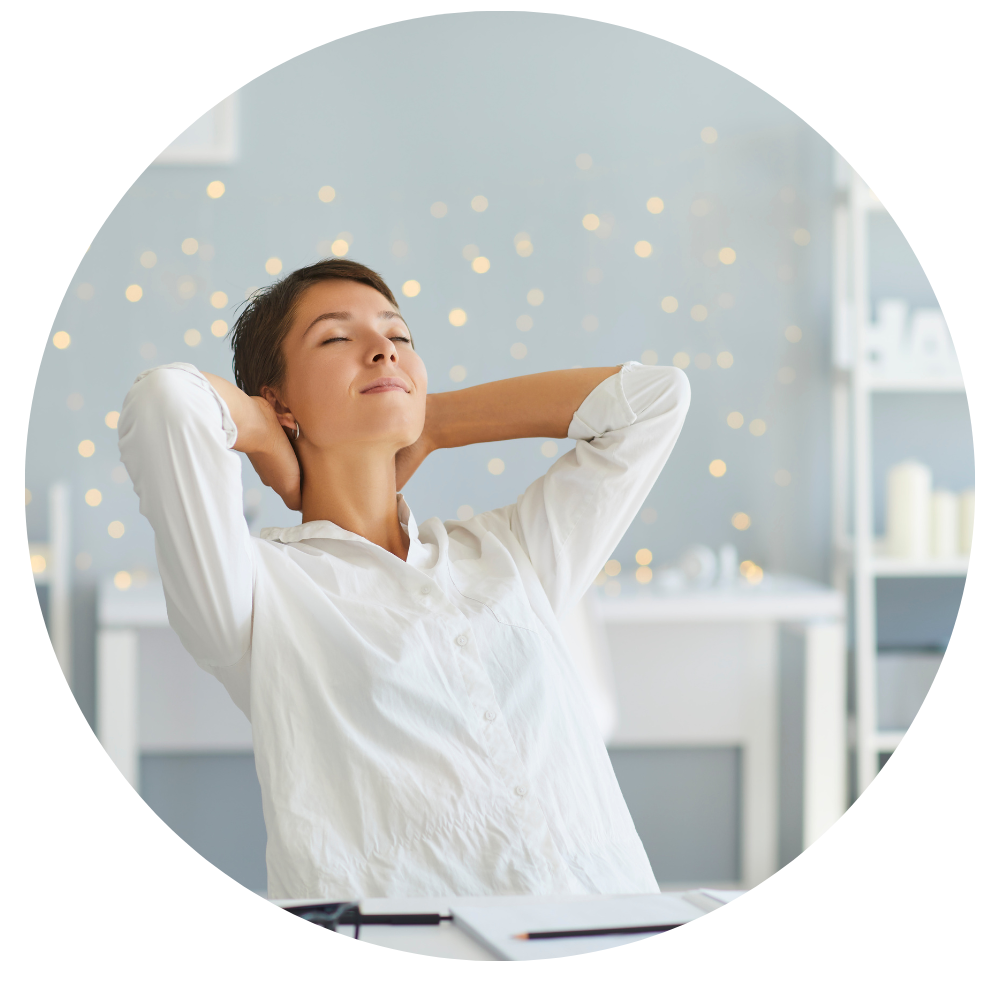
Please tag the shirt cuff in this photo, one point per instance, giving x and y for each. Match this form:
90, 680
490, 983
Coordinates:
605, 409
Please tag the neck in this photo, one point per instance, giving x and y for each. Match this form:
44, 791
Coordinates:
355, 489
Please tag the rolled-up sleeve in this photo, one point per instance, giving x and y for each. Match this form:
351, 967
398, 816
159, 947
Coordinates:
570, 520
175, 436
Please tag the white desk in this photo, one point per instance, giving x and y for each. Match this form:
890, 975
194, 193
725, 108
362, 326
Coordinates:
700, 668
446, 940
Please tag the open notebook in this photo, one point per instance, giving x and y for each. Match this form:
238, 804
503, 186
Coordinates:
495, 927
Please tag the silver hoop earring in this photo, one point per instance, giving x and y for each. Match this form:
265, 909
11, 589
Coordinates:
296, 431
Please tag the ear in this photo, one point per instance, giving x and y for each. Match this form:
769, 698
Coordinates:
284, 414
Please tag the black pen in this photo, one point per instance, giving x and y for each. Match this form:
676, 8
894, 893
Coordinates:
649, 929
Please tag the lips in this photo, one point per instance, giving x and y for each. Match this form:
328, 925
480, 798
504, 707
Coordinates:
385, 385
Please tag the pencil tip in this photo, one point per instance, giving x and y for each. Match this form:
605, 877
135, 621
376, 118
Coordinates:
521, 937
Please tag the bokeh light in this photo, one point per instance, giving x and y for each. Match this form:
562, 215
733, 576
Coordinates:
189, 246
644, 574
783, 477
61, 340
735, 420
681, 359
649, 357
727, 255
717, 468
457, 317
147, 258
465, 512
757, 427
273, 265
584, 161
524, 323
536, 297
648, 515
701, 207
523, 245
479, 203
470, 251
327, 193
496, 466
643, 248
439, 209
219, 300
550, 449
411, 288
590, 323
38, 564
518, 351
111, 419
654, 205
86, 448
481, 265
724, 359
801, 236
74, 401
793, 334
703, 361
612, 567
339, 247
591, 221
709, 134
457, 373
133, 293
92, 498
699, 313
215, 189
644, 557
123, 579
116, 529
83, 561
192, 337
219, 328
786, 375
668, 304
741, 521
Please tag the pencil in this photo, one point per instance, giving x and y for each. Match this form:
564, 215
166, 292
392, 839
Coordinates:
648, 929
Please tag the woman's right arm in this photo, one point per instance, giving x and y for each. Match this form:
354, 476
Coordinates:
177, 435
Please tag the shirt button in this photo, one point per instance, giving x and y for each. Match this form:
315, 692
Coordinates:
462, 640
521, 790
425, 590
489, 715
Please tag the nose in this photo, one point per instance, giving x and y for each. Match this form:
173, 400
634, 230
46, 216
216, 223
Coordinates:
383, 350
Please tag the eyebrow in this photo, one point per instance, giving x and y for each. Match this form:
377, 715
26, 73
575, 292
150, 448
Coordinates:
385, 314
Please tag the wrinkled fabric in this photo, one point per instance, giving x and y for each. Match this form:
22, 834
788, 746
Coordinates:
419, 727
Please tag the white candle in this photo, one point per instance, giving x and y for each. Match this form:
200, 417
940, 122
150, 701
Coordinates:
966, 513
908, 510
944, 524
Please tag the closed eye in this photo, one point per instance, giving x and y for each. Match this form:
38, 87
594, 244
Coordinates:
332, 340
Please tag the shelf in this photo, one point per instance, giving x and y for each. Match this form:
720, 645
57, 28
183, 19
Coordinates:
884, 566
879, 383
887, 739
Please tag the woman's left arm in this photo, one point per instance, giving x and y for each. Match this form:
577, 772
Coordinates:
625, 420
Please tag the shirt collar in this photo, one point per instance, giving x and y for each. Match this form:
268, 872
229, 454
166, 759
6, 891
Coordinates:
327, 529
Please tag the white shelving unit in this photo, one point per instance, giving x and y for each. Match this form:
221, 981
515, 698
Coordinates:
857, 552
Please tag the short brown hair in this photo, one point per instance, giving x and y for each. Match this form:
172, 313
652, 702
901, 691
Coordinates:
260, 329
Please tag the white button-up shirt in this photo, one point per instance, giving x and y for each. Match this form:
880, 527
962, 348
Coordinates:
419, 727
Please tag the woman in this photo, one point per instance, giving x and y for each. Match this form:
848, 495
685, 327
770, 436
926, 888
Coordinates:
418, 726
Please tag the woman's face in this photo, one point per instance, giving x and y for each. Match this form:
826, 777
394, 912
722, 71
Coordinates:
352, 376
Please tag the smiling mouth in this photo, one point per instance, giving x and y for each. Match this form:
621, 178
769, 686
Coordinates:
385, 385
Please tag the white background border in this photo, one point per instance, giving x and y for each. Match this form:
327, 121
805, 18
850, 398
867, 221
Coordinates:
898, 899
